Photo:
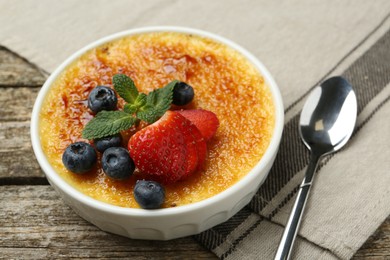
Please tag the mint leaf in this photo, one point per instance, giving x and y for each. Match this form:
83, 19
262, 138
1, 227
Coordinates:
157, 103
125, 87
140, 106
130, 108
107, 123
148, 114
139, 102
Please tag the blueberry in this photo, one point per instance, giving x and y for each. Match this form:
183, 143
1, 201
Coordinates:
79, 157
182, 94
102, 98
149, 194
106, 142
117, 164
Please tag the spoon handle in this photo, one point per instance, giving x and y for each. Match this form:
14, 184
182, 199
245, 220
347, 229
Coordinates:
292, 226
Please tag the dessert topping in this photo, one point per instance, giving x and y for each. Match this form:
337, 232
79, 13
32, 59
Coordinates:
139, 106
183, 94
149, 194
102, 144
117, 164
102, 98
169, 150
206, 121
79, 157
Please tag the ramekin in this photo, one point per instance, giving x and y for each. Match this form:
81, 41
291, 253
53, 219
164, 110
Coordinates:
167, 223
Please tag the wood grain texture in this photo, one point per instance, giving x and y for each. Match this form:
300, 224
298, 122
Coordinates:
17, 159
16, 71
36, 224
17, 103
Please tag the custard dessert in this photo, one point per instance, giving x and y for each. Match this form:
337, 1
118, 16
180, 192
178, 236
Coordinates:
224, 82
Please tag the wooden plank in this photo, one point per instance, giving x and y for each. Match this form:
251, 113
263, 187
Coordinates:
17, 159
16, 156
16, 71
36, 224
16, 104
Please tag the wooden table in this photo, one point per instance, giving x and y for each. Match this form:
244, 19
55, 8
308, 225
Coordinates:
35, 222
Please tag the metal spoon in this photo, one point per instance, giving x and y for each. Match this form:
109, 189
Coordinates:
326, 124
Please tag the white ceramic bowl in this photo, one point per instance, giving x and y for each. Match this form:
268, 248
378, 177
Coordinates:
168, 223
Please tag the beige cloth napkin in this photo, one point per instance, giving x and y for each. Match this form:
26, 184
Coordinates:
301, 42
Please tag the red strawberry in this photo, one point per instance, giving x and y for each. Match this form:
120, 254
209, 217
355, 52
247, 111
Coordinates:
206, 121
169, 149
200, 146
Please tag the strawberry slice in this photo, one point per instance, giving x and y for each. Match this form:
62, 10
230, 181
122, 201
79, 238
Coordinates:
201, 147
189, 132
169, 149
206, 121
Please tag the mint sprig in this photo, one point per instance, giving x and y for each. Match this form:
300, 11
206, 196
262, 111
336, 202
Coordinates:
139, 102
125, 87
108, 123
157, 103
139, 106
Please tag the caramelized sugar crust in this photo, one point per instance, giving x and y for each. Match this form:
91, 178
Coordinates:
223, 80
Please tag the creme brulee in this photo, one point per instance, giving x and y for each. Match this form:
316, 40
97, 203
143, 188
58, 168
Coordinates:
224, 81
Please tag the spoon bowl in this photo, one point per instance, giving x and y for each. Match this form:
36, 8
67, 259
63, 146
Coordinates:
328, 116
327, 122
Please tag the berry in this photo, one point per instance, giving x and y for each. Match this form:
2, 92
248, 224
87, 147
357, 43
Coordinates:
117, 163
106, 142
102, 98
206, 121
183, 94
168, 150
79, 157
201, 148
149, 194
